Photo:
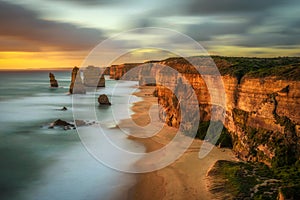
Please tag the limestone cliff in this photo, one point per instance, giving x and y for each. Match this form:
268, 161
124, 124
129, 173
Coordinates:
262, 100
119, 71
262, 111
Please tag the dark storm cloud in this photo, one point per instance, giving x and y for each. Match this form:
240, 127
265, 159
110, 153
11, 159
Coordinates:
213, 7
23, 26
206, 31
250, 24
89, 2
17, 45
267, 40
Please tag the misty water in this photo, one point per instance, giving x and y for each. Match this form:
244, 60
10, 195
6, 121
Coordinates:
42, 163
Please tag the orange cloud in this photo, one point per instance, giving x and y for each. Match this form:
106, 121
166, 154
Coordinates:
40, 60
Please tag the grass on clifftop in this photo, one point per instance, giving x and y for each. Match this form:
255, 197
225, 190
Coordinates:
237, 180
281, 67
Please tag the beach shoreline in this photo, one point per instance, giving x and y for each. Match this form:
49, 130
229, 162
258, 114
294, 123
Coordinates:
186, 177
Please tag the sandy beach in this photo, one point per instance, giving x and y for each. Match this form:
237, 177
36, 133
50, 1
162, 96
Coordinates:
183, 179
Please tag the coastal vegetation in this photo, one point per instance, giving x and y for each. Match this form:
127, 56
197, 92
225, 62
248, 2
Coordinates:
241, 180
222, 140
287, 68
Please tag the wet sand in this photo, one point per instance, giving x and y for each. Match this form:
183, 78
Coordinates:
183, 179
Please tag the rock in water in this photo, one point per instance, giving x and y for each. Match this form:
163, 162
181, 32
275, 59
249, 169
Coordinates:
94, 77
80, 122
60, 123
53, 81
76, 86
64, 109
103, 100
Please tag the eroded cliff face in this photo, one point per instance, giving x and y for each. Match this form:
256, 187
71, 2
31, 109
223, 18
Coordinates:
119, 71
262, 114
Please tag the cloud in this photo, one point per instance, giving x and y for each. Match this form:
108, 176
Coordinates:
267, 40
20, 25
230, 6
89, 2
208, 30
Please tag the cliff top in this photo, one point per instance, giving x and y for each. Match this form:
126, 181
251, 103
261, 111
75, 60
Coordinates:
280, 67
286, 68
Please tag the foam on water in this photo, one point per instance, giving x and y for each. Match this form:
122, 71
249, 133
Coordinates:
42, 163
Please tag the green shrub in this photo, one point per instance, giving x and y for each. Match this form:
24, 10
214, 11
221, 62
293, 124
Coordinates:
223, 140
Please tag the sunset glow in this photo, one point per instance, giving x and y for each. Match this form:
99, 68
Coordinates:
58, 34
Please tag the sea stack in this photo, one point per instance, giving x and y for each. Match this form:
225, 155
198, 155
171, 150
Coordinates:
103, 100
76, 86
53, 81
93, 77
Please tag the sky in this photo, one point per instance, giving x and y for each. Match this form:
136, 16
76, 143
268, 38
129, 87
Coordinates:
61, 33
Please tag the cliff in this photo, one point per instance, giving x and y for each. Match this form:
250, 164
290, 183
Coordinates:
119, 71
262, 104
262, 100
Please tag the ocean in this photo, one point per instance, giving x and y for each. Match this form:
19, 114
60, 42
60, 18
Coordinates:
41, 163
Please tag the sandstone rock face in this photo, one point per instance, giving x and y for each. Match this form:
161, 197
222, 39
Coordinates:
262, 114
145, 73
76, 86
94, 77
103, 100
53, 81
106, 71
119, 71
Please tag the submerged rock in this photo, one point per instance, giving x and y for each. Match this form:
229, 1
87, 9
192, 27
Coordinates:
103, 100
76, 86
53, 81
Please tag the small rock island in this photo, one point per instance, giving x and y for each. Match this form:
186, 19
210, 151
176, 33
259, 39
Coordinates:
103, 100
53, 81
76, 86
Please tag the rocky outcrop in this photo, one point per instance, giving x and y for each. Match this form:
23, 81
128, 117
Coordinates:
53, 81
106, 71
63, 124
103, 100
76, 86
94, 77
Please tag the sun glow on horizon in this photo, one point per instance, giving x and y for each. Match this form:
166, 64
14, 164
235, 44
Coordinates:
67, 60
40, 60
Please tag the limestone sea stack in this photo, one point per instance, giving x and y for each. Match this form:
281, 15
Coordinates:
103, 100
76, 86
93, 77
53, 81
